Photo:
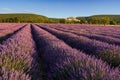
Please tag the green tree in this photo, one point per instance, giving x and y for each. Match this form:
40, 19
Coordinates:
113, 23
105, 20
62, 21
16, 19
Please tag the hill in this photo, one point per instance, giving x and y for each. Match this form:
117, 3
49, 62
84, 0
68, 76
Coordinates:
113, 19
35, 18
21, 17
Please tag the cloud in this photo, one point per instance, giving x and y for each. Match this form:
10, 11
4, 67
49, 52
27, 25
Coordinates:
6, 9
9, 10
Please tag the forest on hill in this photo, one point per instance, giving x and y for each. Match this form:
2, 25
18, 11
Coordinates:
26, 18
100, 19
34, 18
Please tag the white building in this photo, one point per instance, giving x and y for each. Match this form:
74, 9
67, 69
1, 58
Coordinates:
72, 19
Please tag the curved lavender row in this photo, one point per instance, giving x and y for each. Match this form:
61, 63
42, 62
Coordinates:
89, 28
106, 52
4, 26
114, 31
4, 34
18, 53
108, 39
9, 29
111, 35
100, 29
12, 75
61, 62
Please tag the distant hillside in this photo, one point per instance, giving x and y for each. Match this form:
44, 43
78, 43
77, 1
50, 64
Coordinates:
112, 18
32, 18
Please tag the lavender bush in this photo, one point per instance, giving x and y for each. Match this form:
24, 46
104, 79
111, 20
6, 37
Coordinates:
35, 52
19, 53
107, 52
103, 38
112, 31
61, 62
7, 30
9, 74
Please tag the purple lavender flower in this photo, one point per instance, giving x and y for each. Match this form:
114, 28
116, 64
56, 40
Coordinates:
61, 62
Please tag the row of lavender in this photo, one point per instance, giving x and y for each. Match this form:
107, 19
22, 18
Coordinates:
18, 57
7, 29
111, 39
61, 62
90, 29
106, 34
104, 51
7, 25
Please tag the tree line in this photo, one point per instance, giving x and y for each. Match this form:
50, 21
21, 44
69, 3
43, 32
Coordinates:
33, 18
95, 20
100, 19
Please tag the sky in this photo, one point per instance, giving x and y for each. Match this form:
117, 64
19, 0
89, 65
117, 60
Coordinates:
61, 8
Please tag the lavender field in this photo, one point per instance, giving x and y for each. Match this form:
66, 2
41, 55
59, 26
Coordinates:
59, 52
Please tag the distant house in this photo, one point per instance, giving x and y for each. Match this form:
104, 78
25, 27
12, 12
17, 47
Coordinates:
72, 19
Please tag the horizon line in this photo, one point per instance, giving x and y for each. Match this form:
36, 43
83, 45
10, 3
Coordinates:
58, 17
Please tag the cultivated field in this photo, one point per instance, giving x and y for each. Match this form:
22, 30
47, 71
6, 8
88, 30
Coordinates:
59, 52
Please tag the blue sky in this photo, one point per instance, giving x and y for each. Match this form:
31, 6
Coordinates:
61, 8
